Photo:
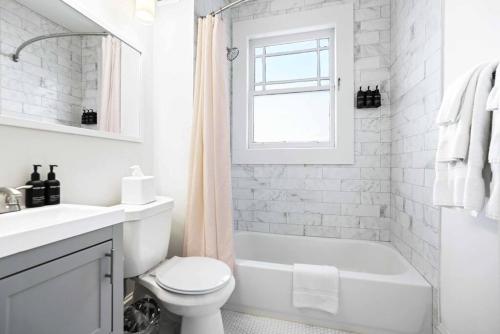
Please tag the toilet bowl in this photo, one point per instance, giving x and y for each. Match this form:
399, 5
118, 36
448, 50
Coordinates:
200, 310
194, 288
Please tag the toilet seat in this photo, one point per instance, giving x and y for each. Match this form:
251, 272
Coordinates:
192, 275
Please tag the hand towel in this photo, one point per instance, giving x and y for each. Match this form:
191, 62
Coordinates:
316, 287
453, 98
459, 181
493, 209
442, 191
454, 138
494, 98
474, 188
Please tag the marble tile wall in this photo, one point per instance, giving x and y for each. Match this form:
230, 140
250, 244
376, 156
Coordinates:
338, 201
416, 81
91, 71
47, 84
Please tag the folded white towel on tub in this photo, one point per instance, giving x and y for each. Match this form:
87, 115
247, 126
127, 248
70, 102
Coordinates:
316, 287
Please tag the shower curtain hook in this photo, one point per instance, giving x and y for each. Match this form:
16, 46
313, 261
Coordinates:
232, 53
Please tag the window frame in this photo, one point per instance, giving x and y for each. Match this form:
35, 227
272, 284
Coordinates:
286, 39
336, 18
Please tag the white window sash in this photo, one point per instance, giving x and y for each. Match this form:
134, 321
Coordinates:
339, 17
290, 90
287, 39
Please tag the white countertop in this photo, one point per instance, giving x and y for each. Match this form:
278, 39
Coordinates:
31, 228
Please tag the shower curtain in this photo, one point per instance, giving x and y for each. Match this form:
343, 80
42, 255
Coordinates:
109, 111
209, 221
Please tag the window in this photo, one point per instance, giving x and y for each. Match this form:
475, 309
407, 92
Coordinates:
288, 106
290, 85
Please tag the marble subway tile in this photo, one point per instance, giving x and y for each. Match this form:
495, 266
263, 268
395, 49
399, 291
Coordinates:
286, 229
322, 231
341, 221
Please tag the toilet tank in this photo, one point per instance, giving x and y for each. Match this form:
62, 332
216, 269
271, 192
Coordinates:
146, 235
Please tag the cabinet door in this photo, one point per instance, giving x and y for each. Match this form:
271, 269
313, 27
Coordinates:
69, 295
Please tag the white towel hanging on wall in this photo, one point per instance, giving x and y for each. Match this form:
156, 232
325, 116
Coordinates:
475, 187
464, 141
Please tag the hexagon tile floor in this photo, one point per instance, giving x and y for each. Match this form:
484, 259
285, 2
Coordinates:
241, 323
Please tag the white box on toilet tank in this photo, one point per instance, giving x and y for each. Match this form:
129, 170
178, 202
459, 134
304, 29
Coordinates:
138, 189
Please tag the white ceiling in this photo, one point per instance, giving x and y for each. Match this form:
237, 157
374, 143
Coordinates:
59, 12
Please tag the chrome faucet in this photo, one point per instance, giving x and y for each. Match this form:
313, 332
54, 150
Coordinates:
12, 197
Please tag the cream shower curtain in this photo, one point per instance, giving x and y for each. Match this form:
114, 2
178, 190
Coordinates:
109, 111
209, 221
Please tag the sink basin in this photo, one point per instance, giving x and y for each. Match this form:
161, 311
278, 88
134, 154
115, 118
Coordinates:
31, 228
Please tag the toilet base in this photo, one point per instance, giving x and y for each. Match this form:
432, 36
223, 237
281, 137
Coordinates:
201, 325
200, 314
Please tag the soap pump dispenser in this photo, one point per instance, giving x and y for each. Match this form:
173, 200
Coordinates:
35, 196
52, 188
369, 98
377, 98
361, 99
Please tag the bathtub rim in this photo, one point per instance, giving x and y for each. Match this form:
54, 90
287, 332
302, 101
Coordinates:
409, 277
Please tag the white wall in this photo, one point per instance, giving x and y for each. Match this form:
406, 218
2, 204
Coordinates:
90, 168
470, 292
173, 107
469, 28
470, 270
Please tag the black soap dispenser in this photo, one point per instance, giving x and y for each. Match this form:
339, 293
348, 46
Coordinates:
369, 98
52, 188
361, 99
377, 98
84, 116
35, 196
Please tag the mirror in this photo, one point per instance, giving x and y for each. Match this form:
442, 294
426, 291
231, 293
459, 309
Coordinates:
61, 71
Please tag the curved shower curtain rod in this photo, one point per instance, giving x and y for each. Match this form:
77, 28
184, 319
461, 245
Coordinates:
15, 56
229, 5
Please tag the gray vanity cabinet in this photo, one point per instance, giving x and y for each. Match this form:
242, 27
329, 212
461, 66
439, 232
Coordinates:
69, 294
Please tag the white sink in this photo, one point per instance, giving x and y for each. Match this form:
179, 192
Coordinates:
31, 228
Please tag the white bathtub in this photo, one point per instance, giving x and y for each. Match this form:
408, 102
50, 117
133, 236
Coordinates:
380, 292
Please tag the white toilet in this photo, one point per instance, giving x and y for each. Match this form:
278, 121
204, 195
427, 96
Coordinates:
194, 288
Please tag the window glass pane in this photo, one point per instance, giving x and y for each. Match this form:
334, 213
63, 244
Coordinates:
259, 51
291, 47
325, 63
258, 70
297, 117
323, 43
292, 85
325, 82
291, 67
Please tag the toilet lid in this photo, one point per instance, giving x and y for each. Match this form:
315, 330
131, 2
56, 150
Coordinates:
192, 275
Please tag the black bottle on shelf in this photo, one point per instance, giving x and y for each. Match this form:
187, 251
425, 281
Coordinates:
92, 117
377, 98
52, 188
361, 99
35, 196
369, 98
85, 116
